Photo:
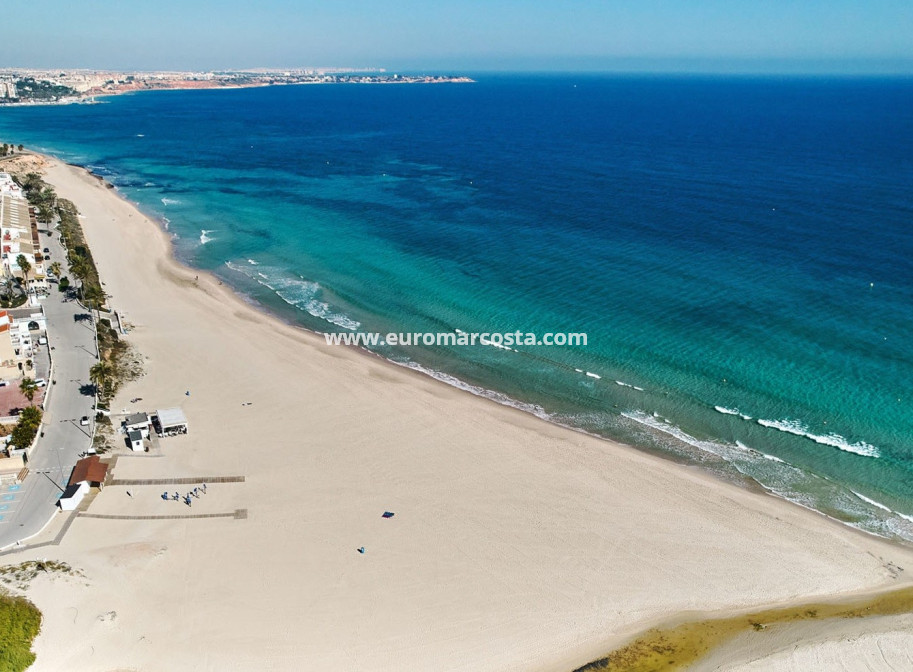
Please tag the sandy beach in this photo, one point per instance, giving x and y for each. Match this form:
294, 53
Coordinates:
515, 545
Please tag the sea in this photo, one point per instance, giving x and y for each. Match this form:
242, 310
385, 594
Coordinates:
738, 250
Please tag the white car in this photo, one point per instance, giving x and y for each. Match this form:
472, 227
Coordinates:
84, 420
40, 382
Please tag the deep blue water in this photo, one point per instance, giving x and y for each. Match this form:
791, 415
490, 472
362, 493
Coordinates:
727, 244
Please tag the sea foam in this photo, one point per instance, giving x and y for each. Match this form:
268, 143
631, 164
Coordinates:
731, 411
833, 440
633, 387
298, 292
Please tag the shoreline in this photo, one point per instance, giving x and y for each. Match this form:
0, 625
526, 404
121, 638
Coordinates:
520, 486
738, 479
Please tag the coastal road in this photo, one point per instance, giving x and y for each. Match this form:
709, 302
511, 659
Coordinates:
25, 509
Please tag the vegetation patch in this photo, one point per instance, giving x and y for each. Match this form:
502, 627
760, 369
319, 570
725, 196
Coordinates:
40, 195
20, 622
119, 362
29, 88
21, 575
79, 257
678, 647
29, 421
103, 440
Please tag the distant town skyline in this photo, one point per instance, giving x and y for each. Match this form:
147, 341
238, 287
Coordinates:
848, 36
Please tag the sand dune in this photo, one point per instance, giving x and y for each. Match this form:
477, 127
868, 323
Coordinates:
516, 545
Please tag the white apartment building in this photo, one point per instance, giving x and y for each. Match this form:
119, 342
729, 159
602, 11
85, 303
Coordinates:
19, 235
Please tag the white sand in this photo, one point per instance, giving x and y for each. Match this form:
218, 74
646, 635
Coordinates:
516, 545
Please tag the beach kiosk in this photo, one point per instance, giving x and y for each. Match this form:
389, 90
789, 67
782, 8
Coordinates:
72, 496
135, 440
91, 471
137, 422
170, 422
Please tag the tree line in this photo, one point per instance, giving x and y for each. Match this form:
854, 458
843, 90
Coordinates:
6, 149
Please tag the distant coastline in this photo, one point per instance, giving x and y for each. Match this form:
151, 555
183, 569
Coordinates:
27, 87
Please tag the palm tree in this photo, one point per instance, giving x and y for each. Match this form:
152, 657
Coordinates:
102, 375
55, 268
26, 268
45, 213
28, 388
93, 296
81, 269
48, 197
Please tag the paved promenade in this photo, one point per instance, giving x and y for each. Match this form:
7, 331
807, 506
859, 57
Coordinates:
26, 508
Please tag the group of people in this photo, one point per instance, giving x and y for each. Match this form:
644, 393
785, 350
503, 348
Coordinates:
186, 498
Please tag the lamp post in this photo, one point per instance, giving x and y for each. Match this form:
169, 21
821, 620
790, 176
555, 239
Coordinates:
46, 473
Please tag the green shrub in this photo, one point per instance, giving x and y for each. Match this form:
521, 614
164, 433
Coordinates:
20, 622
25, 430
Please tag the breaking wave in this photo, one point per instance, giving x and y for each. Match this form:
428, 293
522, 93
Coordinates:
833, 440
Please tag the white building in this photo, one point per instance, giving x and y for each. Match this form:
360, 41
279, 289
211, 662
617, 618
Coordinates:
137, 422
135, 439
72, 496
8, 88
21, 330
9, 187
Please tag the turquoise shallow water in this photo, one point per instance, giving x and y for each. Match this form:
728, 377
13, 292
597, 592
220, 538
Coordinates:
737, 250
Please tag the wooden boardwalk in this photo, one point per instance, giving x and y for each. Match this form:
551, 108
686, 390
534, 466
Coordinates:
176, 481
237, 514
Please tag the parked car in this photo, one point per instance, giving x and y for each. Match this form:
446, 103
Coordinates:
84, 420
47, 250
40, 382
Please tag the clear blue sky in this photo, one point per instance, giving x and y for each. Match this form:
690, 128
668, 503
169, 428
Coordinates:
464, 35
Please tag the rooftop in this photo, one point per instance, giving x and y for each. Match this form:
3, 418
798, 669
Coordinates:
90, 469
137, 419
171, 417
